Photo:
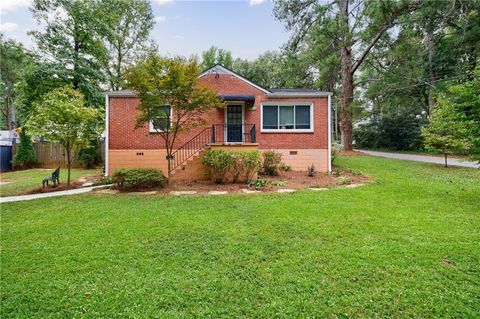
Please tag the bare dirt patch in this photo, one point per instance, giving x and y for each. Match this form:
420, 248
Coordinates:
63, 186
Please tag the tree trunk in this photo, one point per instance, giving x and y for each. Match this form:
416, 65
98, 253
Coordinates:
69, 166
446, 160
347, 98
431, 70
347, 80
169, 162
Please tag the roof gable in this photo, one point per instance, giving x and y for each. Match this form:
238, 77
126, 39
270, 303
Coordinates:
219, 69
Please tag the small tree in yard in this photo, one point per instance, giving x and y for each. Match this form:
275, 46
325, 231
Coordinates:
25, 155
62, 117
448, 130
171, 97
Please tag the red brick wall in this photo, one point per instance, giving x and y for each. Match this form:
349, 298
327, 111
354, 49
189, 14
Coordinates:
123, 110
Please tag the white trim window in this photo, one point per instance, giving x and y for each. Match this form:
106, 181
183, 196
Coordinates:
287, 117
163, 121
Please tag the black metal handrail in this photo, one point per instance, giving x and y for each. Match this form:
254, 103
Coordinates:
217, 133
234, 133
190, 148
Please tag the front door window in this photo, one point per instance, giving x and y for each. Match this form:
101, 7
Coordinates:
234, 123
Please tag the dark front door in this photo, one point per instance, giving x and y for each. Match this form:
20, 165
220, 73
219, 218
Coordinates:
234, 123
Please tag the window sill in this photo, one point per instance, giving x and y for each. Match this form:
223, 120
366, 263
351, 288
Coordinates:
287, 131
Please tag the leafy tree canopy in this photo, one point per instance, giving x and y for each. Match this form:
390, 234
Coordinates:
214, 56
160, 82
61, 116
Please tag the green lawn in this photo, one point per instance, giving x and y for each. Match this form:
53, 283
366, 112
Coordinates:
405, 246
26, 180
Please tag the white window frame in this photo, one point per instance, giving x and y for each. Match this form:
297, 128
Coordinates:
294, 130
152, 129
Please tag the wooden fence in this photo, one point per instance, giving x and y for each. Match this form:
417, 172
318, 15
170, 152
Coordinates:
50, 155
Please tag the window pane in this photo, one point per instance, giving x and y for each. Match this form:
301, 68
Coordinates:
286, 117
270, 117
302, 117
163, 119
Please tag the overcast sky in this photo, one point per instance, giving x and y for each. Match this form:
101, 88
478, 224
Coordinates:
246, 28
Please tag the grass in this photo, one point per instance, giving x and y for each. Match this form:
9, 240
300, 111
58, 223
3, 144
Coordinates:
27, 180
405, 246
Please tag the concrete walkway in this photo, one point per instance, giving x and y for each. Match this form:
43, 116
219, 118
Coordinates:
423, 158
51, 194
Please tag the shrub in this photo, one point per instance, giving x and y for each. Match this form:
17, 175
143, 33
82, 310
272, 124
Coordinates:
271, 163
311, 170
131, 178
258, 183
105, 180
237, 166
220, 162
392, 131
285, 167
88, 157
251, 163
336, 149
279, 183
25, 156
342, 180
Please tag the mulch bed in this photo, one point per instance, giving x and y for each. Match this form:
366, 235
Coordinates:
63, 186
291, 180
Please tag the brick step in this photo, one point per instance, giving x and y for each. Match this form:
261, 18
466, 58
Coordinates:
186, 163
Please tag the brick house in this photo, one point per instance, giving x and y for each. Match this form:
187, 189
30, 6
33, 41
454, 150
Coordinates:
294, 122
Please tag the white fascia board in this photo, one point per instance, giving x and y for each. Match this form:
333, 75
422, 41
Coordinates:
299, 94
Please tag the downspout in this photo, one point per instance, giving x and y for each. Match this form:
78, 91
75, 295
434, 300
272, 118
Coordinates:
329, 133
106, 133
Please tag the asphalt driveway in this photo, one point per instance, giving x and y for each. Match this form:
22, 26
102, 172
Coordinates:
423, 158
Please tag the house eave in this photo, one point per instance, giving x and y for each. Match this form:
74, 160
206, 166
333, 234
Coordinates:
298, 94
126, 93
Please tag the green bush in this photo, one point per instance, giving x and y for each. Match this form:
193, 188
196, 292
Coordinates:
237, 166
392, 131
336, 150
135, 178
25, 155
285, 167
220, 161
251, 163
342, 180
88, 157
258, 183
271, 163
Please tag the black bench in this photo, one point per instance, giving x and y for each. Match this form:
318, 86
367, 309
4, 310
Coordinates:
55, 178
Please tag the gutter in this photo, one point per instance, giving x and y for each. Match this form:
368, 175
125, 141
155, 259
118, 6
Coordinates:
298, 94
120, 93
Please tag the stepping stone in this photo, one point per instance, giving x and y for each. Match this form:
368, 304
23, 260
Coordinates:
107, 191
180, 193
143, 193
87, 184
217, 192
82, 180
285, 190
318, 189
249, 191
354, 185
